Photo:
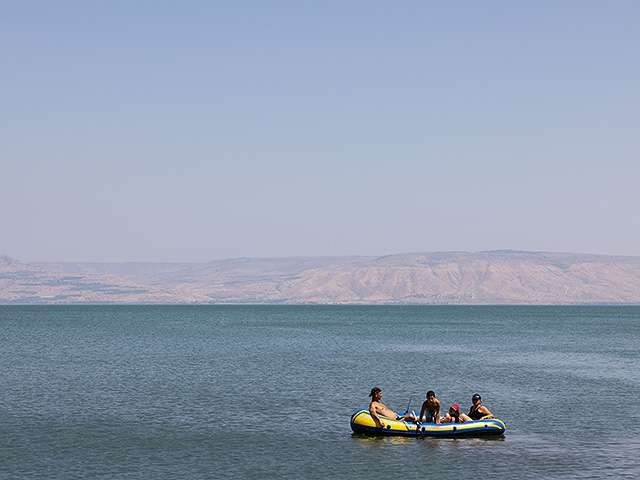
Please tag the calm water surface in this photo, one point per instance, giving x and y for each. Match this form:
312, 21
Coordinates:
211, 392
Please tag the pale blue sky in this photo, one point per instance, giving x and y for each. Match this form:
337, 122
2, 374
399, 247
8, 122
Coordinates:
194, 131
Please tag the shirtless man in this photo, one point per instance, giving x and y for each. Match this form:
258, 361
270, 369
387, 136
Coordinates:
376, 408
430, 407
454, 416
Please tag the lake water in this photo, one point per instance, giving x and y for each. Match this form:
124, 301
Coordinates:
207, 392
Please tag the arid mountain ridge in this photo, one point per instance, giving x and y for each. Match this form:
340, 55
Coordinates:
465, 278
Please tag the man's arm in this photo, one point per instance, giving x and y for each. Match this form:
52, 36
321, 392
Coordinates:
437, 419
374, 415
422, 410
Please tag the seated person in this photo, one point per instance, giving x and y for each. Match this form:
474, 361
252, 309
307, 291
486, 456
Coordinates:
479, 411
454, 416
376, 408
430, 409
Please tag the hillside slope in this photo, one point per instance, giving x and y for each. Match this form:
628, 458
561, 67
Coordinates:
496, 277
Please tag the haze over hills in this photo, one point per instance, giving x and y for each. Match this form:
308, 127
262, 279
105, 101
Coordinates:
482, 278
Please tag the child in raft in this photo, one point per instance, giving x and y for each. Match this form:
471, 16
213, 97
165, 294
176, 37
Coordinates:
430, 411
454, 416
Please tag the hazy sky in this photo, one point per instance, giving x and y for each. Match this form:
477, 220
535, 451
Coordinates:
201, 130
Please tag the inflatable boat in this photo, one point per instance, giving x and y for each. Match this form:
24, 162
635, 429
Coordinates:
361, 422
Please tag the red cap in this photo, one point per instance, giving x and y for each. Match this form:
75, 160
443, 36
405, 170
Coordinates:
455, 407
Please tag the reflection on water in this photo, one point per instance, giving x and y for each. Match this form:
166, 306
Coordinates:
369, 441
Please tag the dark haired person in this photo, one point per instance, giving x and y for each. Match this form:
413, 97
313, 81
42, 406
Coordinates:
454, 416
430, 409
479, 411
377, 408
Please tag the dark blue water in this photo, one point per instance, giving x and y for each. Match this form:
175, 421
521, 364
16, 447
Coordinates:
267, 391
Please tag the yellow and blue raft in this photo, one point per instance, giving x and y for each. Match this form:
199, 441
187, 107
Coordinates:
361, 422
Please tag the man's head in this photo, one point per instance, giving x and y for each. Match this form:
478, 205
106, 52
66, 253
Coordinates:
431, 394
374, 392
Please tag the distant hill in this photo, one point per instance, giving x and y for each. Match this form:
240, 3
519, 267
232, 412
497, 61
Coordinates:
482, 278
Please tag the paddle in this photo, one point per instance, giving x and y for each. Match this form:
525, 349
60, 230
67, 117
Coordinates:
418, 432
418, 426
